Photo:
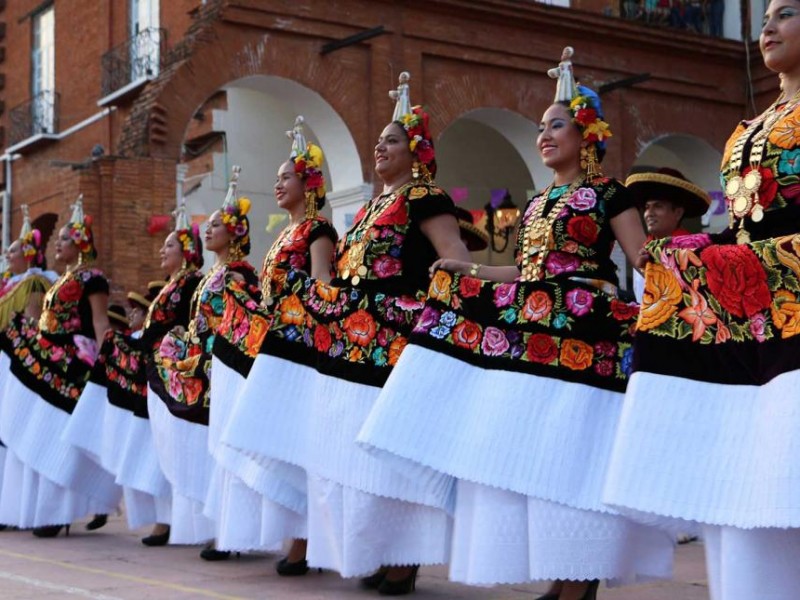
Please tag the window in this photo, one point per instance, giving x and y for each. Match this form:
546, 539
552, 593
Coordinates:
43, 74
145, 39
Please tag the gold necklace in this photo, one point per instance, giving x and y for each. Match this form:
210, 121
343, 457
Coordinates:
539, 231
741, 191
354, 257
268, 268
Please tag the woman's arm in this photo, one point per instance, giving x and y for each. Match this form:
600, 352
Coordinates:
627, 228
321, 253
99, 305
444, 234
502, 274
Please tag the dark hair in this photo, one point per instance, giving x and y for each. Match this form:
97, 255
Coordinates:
244, 244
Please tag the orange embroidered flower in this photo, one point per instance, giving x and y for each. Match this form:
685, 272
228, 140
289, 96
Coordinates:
698, 315
440, 286
327, 292
662, 293
292, 311
576, 355
360, 327
786, 132
396, 348
786, 313
192, 389
355, 355
537, 306
255, 337
467, 335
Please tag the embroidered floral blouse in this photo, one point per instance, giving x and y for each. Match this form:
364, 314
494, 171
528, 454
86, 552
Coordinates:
66, 310
581, 240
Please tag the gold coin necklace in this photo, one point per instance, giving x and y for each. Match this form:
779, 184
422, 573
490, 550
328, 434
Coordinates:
268, 268
741, 191
355, 268
537, 235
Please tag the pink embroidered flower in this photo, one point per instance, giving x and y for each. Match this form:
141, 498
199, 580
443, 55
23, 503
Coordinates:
494, 342
217, 281
758, 324
87, 349
175, 387
408, 303
386, 266
604, 368
583, 199
504, 294
297, 260
430, 318
579, 302
171, 348
57, 354
559, 262
695, 241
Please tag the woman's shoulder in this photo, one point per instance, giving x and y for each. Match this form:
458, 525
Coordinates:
419, 190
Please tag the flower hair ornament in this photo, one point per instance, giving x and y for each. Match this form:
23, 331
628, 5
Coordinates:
188, 237
308, 159
31, 241
587, 113
414, 121
234, 216
80, 231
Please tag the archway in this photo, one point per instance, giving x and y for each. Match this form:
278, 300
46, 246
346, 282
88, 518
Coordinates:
486, 149
244, 123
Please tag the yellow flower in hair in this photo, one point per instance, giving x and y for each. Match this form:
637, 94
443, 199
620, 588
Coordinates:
600, 129
244, 206
412, 144
314, 154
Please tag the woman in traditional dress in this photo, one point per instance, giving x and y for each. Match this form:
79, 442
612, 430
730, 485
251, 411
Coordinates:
328, 351
250, 517
26, 278
48, 483
513, 378
709, 434
178, 398
111, 423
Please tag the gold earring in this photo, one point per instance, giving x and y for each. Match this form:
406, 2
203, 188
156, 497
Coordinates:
415, 168
589, 162
311, 205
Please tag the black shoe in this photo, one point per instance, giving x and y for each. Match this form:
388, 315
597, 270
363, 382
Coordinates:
401, 587
589, 594
291, 569
212, 554
160, 539
50, 531
374, 581
96, 523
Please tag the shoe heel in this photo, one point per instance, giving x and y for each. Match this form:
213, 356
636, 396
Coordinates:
66, 530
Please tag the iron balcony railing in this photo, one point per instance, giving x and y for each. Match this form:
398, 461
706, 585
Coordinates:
141, 57
39, 115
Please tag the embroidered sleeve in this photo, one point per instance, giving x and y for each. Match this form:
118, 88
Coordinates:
426, 201
616, 197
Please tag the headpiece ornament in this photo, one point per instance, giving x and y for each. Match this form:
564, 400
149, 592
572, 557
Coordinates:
189, 236
31, 241
80, 230
414, 121
585, 108
307, 159
234, 216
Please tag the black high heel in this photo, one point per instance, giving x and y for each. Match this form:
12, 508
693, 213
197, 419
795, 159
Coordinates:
589, 594
50, 531
373, 581
284, 568
96, 523
401, 587
160, 539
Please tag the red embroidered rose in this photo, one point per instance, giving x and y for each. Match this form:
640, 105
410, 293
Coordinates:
542, 348
737, 279
70, 291
583, 229
360, 327
622, 311
604, 367
467, 335
322, 338
769, 187
396, 214
537, 306
469, 287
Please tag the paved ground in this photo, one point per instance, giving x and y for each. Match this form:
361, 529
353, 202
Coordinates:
111, 564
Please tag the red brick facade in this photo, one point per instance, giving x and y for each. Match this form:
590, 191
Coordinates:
463, 55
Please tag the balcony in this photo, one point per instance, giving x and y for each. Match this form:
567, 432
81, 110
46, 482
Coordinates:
34, 122
129, 66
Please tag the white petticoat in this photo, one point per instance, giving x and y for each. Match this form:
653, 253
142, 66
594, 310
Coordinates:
182, 449
707, 452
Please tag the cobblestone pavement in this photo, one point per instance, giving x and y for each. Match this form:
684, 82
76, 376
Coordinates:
112, 564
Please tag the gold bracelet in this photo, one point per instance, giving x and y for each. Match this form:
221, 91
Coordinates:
474, 269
